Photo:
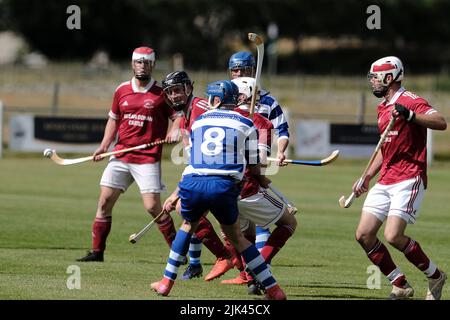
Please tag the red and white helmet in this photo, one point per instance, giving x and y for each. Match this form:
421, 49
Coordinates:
245, 85
387, 65
145, 53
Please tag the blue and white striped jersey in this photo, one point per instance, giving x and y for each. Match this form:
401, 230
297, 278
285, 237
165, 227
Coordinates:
269, 107
222, 142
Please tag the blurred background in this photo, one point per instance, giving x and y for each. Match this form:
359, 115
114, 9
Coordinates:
65, 58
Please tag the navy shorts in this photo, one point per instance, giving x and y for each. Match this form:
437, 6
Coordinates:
217, 194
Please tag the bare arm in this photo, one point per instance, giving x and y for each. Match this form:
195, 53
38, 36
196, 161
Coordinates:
108, 138
282, 146
433, 121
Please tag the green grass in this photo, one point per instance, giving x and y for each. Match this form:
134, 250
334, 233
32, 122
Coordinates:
46, 212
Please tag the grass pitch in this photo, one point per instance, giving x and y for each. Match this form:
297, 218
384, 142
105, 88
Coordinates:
46, 212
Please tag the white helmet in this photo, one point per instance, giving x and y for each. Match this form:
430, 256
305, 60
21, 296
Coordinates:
387, 65
245, 85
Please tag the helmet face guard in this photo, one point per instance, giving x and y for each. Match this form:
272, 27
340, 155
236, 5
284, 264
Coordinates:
174, 79
245, 86
242, 60
380, 69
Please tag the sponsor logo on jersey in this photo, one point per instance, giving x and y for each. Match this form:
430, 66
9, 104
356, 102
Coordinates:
148, 103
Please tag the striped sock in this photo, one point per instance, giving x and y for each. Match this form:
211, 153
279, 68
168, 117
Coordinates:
195, 250
261, 237
180, 247
256, 263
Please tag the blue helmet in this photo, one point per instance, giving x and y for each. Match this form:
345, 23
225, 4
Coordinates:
225, 90
241, 59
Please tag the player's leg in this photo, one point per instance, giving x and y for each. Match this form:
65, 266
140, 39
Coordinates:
262, 235
285, 226
406, 201
248, 229
226, 212
194, 202
115, 180
177, 255
374, 212
152, 203
207, 234
148, 179
255, 262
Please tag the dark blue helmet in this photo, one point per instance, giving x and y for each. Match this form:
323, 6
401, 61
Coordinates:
225, 90
175, 78
240, 60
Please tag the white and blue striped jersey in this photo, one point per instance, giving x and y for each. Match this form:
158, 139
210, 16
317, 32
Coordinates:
269, 107
222, 143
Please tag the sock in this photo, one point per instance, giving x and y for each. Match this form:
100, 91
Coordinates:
379, 255
206, 233
100, 231
195, 250
180, 247
256, 263
276, 241
414, 253
261, 237
167, 228
236, 256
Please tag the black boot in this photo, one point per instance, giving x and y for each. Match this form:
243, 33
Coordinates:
92, 256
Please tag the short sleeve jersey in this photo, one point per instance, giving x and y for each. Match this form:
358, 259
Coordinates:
404, 151
143, 117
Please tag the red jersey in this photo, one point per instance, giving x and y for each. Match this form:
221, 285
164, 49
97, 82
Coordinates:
197, 107
264, 126
405, 149
143, 117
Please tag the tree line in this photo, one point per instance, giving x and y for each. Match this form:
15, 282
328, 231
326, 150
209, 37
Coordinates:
207, 32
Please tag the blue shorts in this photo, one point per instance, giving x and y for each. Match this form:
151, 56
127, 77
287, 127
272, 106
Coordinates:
218, 194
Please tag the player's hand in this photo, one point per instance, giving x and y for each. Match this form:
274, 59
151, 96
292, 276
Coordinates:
170, 203
361, 186
97, 152
281, 157
401, 111
173, 136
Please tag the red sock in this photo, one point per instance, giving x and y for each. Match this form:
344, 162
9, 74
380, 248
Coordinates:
236, 256
167, 229
276, 241
379, 255
100, 231
414, 253
207, 235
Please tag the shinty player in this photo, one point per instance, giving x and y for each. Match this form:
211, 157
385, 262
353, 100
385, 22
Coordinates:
402, 179
210, 183
256, 205
178, 89
138, 115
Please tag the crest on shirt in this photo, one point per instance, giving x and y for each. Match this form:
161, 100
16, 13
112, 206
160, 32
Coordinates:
148, 103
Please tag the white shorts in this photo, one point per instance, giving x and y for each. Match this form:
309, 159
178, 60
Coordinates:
120, 175
261, 208
401, 199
